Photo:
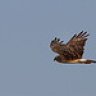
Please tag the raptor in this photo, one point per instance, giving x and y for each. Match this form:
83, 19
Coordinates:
72, 51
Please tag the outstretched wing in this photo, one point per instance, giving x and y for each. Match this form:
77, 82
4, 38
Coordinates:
73, 49
56, 45
76, 44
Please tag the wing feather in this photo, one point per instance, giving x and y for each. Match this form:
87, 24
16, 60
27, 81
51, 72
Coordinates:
73, 49
77, 43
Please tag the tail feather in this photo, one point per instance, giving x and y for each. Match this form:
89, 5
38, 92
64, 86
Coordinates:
87, 61
90, 61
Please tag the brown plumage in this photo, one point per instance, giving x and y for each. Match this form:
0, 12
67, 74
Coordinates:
72, 51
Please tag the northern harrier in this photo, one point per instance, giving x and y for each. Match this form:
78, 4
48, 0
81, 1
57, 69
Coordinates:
72, 51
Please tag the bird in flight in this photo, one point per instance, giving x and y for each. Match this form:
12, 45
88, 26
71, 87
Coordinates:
72, 51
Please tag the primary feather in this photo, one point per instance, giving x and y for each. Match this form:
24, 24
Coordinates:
73, 49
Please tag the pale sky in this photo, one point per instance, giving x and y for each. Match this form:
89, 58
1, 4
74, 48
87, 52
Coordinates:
26, 30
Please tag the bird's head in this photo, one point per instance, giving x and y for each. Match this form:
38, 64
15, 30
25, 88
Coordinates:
58, 59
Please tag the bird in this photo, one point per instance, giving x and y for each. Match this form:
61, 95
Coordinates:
72, 51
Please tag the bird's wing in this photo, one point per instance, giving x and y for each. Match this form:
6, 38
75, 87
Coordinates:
61, 49
56, 45
76, 44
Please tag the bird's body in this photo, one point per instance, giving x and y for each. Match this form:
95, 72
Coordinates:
75, 61
72, 51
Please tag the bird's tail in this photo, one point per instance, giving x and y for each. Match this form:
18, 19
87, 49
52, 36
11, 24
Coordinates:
87, 61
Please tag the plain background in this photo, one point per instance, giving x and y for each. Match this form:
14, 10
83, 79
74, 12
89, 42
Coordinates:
26, 60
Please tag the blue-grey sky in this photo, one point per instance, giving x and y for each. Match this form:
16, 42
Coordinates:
26, 60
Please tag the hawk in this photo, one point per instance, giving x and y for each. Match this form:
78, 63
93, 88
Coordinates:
72, 51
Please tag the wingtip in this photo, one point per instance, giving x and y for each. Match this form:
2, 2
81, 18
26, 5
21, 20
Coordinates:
83, 34
57, 39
